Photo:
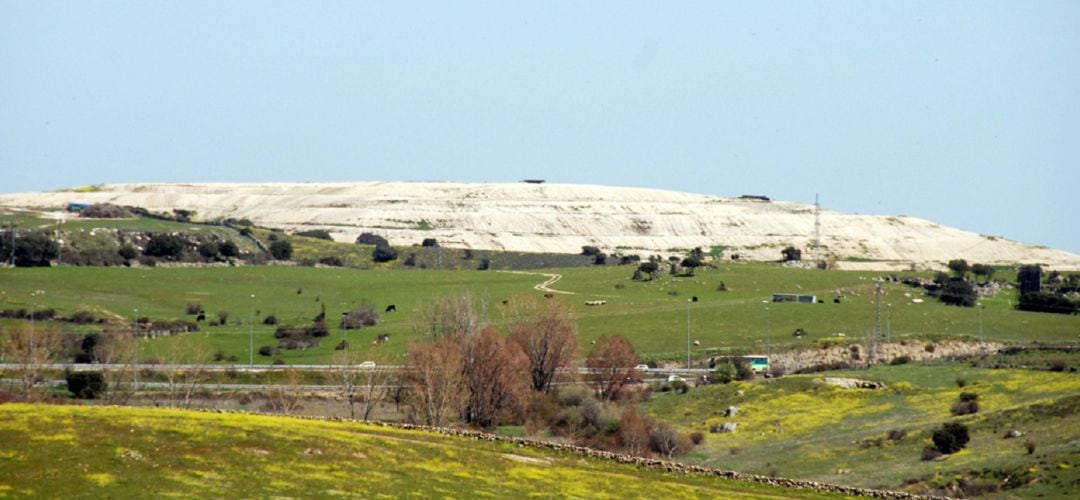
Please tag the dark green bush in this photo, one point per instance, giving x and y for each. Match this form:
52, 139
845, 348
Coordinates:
86, 385
371, 239
957, 292
228, 249
332, 261
128, 252
320, 234
281, 250
900, 360
384, 253
165, 246
951, 437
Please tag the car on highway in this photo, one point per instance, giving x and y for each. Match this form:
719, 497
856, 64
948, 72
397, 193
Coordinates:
366, 364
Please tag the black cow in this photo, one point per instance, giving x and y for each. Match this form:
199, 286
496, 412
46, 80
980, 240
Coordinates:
391, 308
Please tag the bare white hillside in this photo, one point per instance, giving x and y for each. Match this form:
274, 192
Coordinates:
562, 218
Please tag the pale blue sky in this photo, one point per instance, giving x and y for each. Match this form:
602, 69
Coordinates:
966, 113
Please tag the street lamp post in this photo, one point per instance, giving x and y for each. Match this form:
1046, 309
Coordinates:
888, 323
251, 331
768, 340
982, 346
135, 345
345, 327
33, 307
688, 334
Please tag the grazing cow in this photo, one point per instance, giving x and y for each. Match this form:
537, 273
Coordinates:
505, 301
201, 317
384, 337
548, 295
299, 291
836, 300
693, 299
391, 308
697, 342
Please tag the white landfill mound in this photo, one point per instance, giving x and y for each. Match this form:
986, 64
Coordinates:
563, 217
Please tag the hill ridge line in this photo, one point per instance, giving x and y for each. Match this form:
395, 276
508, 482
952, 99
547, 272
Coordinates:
562, 218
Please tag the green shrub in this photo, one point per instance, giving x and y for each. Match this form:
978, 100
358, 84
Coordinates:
228, 249
965, 407
900, 360
384, 253
281, 250
128, 252
165, 246
697, 437
957, 292
951, 437
371, 239
320, 234
332, 261
86, 385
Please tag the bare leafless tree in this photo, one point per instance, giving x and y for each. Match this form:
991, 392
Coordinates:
547, 334
634, 432
118, 348
611, 366
433, 381
286, 397
364, 388
447, 316
32, 347
182, 384
494, 372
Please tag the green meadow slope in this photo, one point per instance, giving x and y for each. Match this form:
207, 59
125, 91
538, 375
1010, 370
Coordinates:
652, 314
101, 452
799, 427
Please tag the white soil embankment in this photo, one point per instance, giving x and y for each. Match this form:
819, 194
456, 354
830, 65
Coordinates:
561, 218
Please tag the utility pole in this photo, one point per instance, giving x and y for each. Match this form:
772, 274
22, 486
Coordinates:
875, 338
817, 229
982, 345
251, 331
888, 324
135, 345
768, 340
13, 244
688, 334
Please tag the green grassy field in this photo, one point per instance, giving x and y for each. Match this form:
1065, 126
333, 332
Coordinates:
652, 314
802, 428
100, 452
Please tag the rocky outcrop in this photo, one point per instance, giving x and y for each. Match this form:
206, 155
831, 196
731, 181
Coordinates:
853, 355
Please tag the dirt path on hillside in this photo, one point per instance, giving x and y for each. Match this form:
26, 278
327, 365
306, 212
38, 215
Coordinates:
546, 285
